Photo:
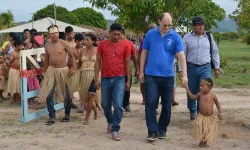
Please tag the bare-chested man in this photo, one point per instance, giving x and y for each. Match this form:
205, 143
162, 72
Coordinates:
57, 75
69, 34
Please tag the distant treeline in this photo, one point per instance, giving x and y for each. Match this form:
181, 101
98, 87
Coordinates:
232, 36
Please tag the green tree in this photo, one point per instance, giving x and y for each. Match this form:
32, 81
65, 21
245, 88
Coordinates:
6, 20
241, 15
62, 14
88, 16
137, 14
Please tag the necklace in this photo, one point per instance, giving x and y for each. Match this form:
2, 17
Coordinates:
114, 48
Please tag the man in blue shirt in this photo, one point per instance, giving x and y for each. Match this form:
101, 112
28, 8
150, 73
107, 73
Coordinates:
160, 47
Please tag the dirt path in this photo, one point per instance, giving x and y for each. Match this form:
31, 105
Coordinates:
74, 135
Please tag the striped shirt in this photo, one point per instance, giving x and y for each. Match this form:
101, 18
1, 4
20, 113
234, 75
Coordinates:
197, 50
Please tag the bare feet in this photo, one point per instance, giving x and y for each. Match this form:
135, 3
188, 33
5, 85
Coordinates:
201, 144
205, 144
86, 122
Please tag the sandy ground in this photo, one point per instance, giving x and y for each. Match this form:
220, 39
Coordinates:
74, 135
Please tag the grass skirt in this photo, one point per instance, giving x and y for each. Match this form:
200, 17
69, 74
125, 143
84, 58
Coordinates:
86, 77
2, 83
60, 77
205, 128
75, 81
14, 81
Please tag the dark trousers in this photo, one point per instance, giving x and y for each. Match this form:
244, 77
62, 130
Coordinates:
126, 98
155, 87
51, 103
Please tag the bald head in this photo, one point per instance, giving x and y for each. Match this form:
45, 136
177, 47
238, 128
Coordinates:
152, 26
165, 21
165, 16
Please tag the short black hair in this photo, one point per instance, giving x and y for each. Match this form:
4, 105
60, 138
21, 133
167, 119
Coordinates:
18, 42
26, 30
116, 26
52, 26
123, 31
33, 31
79, 37
12, 34
69, 29
208, 81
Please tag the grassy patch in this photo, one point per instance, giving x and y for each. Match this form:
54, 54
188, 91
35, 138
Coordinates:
237, 75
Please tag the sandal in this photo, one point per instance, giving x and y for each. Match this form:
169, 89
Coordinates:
49, 123
64, 119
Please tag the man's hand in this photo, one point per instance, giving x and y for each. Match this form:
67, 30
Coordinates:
184, 80
216, 73
97, 84
220, 116
185, 86
141, 77
136, 73
180, 75
127, 86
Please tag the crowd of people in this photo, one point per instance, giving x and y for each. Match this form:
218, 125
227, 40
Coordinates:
100, 70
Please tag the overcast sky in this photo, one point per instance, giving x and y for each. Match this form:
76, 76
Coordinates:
22, 9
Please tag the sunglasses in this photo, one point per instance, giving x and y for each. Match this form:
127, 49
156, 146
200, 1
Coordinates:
167, 25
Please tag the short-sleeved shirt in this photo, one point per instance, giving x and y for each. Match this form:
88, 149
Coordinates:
131, 47
161, 52
140, 48
113, 57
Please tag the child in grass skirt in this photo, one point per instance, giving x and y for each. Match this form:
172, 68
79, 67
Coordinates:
205, 125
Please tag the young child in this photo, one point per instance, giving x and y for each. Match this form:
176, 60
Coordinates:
205, 126
3, 72
14, 73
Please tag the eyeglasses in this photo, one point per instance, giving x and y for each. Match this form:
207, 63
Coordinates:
167, 25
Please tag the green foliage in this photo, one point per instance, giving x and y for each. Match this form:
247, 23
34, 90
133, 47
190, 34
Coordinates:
6, 20
226, 36
241, 15
223, 60
62, 14
137, 14
237, 74
246, 38
88, 16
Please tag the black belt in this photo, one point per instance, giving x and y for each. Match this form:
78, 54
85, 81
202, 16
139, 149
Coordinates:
197, 64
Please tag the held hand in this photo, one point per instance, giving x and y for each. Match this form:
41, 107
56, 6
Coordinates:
141, 77
184, 81
72, 71
136, 73
97, 84
127, 86
180, 75
185, 86
220, 116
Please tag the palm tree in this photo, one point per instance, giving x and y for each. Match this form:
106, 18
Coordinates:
6, 19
